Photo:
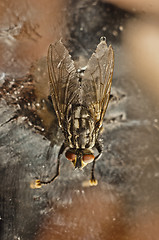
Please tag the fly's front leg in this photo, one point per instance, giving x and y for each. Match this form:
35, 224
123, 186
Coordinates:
38, 183
98, 145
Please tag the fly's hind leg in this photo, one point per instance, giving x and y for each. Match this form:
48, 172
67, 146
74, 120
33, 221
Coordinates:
38, 183
93, 181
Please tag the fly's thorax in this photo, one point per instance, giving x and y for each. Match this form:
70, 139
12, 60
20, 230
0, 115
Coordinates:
80, 128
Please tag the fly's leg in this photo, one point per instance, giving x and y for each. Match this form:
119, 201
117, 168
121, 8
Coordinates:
11, 119
38, 183
93, 181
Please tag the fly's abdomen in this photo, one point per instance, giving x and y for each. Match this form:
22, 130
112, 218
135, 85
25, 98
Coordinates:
81, 128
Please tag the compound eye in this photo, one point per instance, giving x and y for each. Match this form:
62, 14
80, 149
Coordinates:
70, 156
88, 158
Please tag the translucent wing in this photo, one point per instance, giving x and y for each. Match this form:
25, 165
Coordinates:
64, 84
97, 79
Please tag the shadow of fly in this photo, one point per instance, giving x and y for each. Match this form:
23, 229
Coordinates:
80, 99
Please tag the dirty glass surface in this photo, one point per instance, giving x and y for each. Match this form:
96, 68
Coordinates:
124, 205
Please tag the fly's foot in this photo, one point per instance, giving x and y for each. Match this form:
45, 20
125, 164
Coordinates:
35, 184
93, 182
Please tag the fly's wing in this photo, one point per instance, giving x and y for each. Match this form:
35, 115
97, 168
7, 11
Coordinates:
64, 84
97, 80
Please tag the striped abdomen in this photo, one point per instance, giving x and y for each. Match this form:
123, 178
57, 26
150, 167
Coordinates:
80, 128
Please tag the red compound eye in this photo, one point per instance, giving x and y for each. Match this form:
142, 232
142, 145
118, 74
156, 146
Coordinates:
87, 158
70, 156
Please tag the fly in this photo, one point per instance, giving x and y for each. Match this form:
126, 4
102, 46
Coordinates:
80, 99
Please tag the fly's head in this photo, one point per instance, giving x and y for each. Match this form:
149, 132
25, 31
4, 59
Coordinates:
80, 157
